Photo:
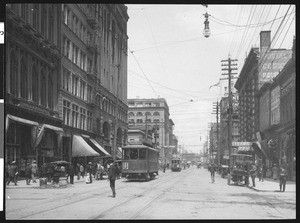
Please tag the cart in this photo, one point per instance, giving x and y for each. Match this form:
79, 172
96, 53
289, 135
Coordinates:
239, 171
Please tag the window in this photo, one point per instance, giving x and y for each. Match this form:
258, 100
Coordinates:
82, 61
82, 89
51, 25
75, 113
156, 114
67, 48
139, 114
139, 120
126, 152
66, 112
13, 73
35, 16
130, 115
131, 104
139, 104
66, 80
24, 78
142, 154
89, 93
23, 11
89, 120
35, 84
44, 20
156, 104
75, 85
133, 154
82, 118
50, 91
43, 87
75, 54
148, 114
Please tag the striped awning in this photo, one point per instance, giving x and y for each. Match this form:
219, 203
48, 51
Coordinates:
81, 148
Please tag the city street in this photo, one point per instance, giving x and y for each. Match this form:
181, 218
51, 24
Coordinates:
188, 194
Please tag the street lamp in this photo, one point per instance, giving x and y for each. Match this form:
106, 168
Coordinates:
206, 31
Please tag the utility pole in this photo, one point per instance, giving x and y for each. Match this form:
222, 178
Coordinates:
216, 112
229, 68
116, 118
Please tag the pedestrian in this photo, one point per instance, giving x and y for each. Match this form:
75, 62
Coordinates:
43, 170
252, 171
81, 168
89, 170
282, 177
71, 173
34, 171
212, 170
112, 175
275, 171
13, 173
77, 170
50, 170
7, 171
164, 168
260, 173
28, 173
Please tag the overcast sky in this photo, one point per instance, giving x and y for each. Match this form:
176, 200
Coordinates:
170, 58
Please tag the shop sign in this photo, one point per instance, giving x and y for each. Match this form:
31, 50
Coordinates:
275, 106
241, 144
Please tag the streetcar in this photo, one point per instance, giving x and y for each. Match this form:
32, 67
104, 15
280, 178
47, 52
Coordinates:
139, 162
176, 164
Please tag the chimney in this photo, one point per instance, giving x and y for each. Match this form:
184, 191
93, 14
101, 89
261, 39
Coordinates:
265, 40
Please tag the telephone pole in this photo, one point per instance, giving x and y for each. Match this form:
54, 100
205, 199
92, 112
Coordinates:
229, 67
216, 112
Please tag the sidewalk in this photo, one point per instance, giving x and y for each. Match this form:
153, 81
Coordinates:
22, 183
272, 185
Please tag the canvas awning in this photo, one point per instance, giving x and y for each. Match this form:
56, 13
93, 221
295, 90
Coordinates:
23, 120
262, 147
57, 129
81, 148
100, 148
119, 153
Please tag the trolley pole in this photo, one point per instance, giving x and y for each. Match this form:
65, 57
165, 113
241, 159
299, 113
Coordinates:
216, 112
229, 69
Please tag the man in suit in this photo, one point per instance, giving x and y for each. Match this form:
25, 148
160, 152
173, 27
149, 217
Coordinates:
112, 175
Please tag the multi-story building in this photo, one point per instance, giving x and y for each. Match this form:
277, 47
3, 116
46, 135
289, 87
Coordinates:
94, 76
66, 80
152, 115
223, 133
260, 67
33, 124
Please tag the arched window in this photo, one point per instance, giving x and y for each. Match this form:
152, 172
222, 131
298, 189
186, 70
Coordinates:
35, 84
106, 130
13, 73
130, 115
139, 114
43, 87
148, 114
50, 90
24, 78
156, 114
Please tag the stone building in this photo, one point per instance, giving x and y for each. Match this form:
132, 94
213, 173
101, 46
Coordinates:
66, 81
152, 116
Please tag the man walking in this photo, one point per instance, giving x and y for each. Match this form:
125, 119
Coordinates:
112, 175
89, 170
33, 171
28, 173
253, 173
282, 178
13, 173
212, 170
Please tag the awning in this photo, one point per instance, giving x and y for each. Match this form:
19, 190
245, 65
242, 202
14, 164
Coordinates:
100, 148
119, 153
260, 148
25, 121
81, 148
53, 128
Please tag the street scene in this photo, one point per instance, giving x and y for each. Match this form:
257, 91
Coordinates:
188, 194
149, 111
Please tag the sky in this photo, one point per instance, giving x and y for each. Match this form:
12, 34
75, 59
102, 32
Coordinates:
170, 58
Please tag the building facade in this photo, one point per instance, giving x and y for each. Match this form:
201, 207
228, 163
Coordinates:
66, 80
152, 116
33, 124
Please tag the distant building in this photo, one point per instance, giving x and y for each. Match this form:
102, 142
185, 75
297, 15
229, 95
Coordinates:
152, 116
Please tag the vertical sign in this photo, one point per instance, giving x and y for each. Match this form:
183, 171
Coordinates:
275, 106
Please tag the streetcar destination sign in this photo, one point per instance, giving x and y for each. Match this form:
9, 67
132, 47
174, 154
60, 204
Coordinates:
241, 143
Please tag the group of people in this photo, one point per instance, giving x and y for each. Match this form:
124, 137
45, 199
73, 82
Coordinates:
12, 172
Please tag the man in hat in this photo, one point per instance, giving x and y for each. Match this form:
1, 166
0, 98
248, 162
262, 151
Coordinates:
33, 171
112, 175
13, 173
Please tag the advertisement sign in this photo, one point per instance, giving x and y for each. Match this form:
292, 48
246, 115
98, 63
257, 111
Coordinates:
272, 63
275, 106
264, 113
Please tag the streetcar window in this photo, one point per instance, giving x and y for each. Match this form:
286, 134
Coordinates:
142, 154
133, 154
126, 153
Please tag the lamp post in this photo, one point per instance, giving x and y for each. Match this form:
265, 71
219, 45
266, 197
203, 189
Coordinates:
206, 31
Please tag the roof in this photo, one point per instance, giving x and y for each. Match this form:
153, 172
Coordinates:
138, 147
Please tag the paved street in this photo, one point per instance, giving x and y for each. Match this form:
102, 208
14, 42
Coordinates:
188, 194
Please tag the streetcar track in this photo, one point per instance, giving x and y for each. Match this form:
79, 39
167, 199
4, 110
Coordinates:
102, 214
